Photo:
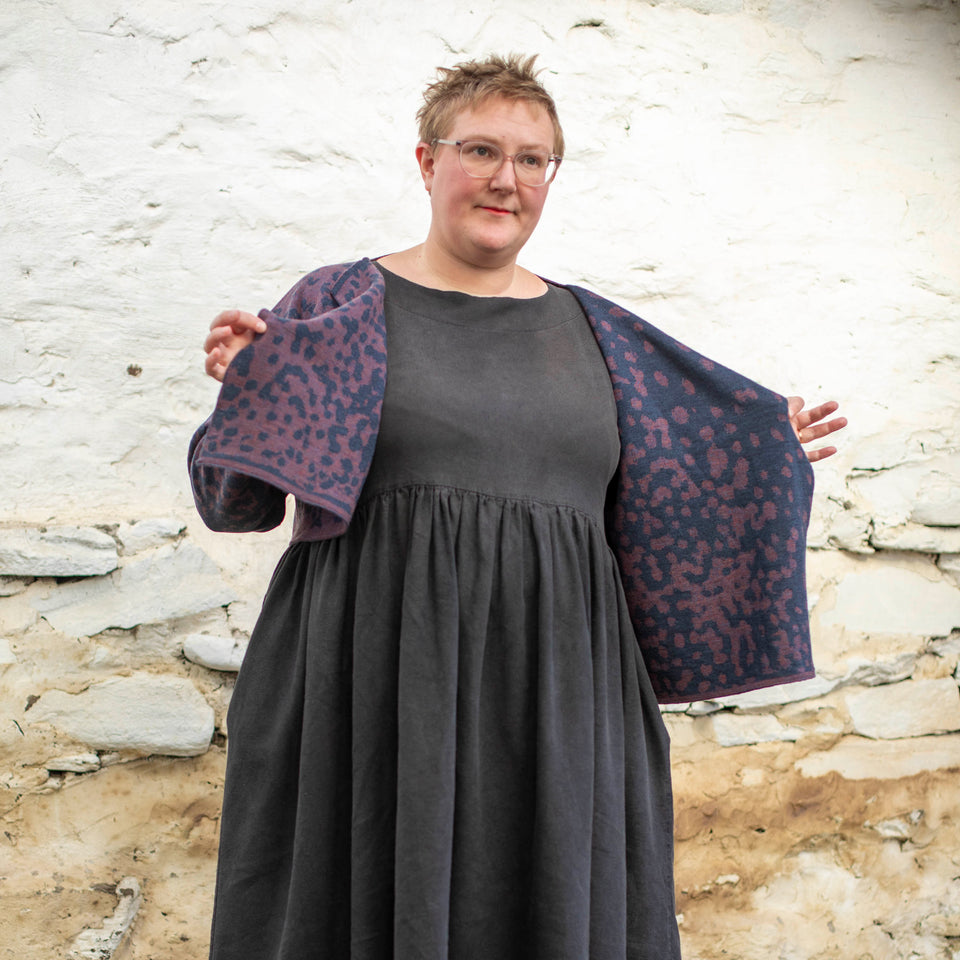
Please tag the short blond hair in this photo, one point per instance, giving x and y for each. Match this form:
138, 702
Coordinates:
468, 84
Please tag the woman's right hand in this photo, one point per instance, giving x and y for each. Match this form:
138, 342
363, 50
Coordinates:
230, 332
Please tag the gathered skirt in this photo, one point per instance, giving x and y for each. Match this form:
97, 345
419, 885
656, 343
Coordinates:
446, 749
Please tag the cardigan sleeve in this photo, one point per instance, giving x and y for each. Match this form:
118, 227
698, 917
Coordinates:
299, 408
229, 501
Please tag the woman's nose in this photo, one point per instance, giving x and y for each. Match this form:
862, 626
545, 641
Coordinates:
506, 176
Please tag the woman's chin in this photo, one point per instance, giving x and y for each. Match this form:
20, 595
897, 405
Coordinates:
497, 244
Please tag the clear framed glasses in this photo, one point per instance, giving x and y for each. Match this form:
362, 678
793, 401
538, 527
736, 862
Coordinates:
481, 159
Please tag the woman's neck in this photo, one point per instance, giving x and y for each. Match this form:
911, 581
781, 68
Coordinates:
432, 268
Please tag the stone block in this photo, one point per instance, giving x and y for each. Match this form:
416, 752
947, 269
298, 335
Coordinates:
823, 717
734, 730
781, 694
104, 942
948, 647
850, 531
919, 491
11, 586
845, 528
216, 653
914, 536
77, 763
895, 600
861, 672
903, 829
170, 582
56, 552
145, 534
857, 758
16, 615
949, 564
143, 714
937, 499
914, 708
703, 708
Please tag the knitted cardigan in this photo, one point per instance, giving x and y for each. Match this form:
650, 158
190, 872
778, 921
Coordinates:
707, 514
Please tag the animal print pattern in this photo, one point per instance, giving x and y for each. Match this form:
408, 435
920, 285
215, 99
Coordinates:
299, 409
708, 519
710, 515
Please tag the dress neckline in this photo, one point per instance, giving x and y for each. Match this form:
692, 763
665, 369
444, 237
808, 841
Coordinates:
387, 272
554, 307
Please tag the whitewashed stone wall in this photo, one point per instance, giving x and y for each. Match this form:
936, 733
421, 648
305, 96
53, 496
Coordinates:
774, 182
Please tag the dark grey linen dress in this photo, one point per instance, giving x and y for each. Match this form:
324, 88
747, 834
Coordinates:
443, 744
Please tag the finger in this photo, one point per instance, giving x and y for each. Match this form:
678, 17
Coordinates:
227, 339
814, 455
239, 321
832, 426
806, 417
820, 430
225, 318
216, 338
214, 366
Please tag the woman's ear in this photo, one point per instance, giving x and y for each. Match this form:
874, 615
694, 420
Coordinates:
426, 161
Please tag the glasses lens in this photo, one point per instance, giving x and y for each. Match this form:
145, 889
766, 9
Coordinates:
481, 159
533, 168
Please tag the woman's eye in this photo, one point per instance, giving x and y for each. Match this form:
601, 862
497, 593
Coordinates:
483, 150
533, 160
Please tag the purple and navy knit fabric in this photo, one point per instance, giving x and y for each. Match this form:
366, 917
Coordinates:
707, 520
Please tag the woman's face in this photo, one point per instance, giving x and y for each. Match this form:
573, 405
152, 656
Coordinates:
486, 222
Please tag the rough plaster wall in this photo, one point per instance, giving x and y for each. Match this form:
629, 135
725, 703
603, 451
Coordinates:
774, 182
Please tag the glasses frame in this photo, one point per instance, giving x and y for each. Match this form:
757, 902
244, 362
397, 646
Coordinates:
552, 158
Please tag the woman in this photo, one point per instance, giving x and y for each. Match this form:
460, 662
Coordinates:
444, 741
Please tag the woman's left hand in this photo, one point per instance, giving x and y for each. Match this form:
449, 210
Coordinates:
807, 426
